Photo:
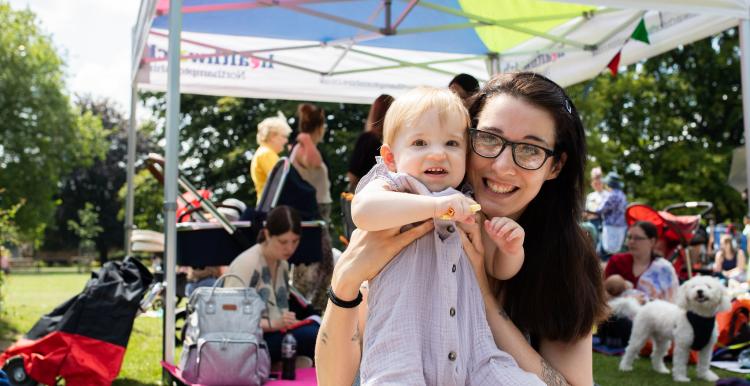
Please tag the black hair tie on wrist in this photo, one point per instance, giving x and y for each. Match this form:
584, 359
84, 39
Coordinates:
344, 303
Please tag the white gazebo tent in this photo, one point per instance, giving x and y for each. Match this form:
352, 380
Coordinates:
353, 50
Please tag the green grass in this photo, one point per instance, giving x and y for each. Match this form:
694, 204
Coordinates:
30, 295
607, 374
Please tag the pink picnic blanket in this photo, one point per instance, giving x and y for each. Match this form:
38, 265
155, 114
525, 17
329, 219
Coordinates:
305, 377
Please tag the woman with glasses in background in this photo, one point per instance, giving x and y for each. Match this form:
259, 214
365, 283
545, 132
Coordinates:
526, 163
640, 268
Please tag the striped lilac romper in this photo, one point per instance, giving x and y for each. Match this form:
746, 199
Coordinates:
427, 323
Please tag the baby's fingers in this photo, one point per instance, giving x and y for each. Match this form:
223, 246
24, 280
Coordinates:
517, 233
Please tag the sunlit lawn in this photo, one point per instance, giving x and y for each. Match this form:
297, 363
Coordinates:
30, 295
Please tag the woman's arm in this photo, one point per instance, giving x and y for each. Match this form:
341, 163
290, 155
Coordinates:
718, 261
572, 361
337, 351
306, 152
741, 261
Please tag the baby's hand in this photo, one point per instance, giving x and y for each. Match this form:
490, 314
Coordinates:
507, 234
455, 207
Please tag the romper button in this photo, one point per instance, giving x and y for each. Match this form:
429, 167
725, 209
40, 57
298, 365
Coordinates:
454, 268
452, 356
453, 311
451, 228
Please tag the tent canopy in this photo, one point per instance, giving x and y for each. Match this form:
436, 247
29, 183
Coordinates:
354, 50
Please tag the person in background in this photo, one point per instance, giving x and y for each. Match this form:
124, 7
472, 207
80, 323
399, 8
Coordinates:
264, 267
644, 270
465, 86
273, 134
201, 277
368, 143
612, 212
594, 200
308, 160
312, 279
730, 260
745, 233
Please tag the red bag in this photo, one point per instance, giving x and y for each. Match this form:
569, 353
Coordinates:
733, 324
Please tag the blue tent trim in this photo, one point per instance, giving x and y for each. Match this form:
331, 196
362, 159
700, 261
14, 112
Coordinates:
281, 23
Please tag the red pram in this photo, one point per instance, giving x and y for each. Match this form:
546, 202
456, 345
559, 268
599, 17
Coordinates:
675, 231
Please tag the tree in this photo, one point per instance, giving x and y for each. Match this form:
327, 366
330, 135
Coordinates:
669, 124
42, 137
218, 140
98, 183
86, 228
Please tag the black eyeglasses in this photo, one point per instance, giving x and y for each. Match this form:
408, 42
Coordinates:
636, 238
526, 155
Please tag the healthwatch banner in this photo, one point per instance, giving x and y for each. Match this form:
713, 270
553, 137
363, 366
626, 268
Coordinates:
296, 70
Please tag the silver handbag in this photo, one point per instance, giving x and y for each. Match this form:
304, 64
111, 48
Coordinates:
223, 339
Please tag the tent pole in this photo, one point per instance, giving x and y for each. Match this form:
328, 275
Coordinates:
130, 168
170, 175
745, 72
129, 196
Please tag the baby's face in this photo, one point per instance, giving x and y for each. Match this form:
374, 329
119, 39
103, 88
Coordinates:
432, 151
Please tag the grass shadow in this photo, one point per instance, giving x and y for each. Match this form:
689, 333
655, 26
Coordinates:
131, 382
8, 333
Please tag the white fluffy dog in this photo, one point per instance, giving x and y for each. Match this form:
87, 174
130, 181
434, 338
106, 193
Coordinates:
691, 323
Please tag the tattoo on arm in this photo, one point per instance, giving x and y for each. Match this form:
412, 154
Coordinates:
357, 336
324, 337
551, 376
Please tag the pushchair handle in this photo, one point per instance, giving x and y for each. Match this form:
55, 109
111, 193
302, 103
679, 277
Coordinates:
705, 205
155, 164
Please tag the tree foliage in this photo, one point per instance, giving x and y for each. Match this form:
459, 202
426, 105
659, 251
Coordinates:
217, 137
87, 228
97, 183
41, 136
669, 124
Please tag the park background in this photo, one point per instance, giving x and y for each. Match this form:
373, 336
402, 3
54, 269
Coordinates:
668, 125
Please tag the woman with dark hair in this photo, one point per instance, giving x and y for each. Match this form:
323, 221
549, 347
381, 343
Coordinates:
264, 267
368, 143
544, 315
641, 268
312, 279
306, 157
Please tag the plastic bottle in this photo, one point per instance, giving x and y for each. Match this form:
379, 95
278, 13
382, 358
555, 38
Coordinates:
288, 356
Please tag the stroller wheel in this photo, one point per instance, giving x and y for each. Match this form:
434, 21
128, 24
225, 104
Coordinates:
17, 374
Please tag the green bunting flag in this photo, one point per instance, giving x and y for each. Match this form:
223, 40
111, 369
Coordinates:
640, 33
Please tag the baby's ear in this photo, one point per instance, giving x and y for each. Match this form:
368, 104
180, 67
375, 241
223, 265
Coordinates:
388, 158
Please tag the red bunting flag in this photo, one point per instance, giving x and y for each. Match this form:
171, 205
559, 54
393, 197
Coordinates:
614, 63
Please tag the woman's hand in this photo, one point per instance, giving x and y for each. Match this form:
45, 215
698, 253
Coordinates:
471, 239
367, 254
289, 318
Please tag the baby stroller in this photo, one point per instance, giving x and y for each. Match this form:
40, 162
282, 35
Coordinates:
676, 231
84, 339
